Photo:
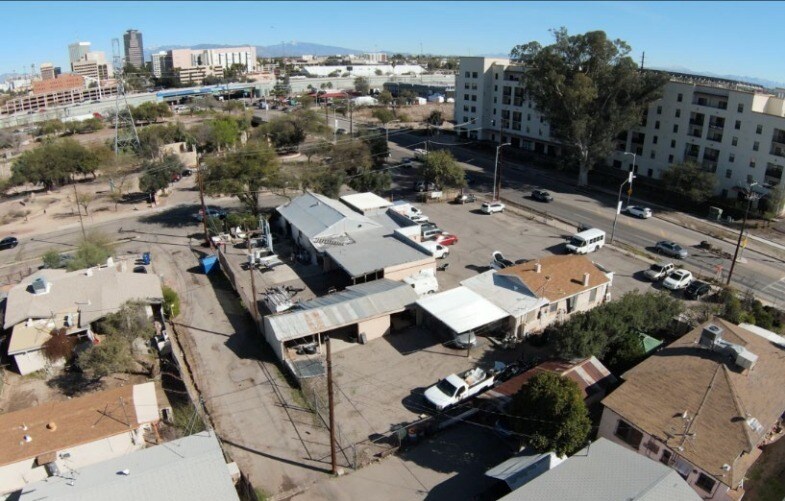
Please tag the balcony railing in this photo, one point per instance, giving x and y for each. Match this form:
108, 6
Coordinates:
714, 136
696, 122
506, 99
717, 126
695, 132
777, 151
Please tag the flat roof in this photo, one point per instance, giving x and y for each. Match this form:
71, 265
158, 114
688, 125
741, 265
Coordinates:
505, 291
77, 421
365, 201
462, 309
30, 336
188, 468
354, 304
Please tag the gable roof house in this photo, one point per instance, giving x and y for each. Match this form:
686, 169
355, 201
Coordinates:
58, 438
51, 299
544, 290
725, 395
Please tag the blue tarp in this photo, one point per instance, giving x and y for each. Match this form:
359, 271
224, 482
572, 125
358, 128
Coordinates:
208, 263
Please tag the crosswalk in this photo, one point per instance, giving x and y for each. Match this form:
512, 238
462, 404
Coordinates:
776, 289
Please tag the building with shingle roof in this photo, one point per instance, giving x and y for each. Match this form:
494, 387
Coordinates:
703, 405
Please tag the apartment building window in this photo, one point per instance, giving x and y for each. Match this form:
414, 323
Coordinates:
495, 76
675, 128
740, 108
670, 159
474, 74
466, 74
679, 97
755, 146
724, 193
728, 173
474, 109
673, 143
628, 434
678, 113
750, 178
659, 110
654, 140
494, 112
657, 124
496, 88
650, 173
705, 482
752, 164
474, 86
542, 119
466, 85
465, 108
474, 97
758, 129
466, 97
651, 155
731, 158
738, 125
734, 141
528, 117
494, 100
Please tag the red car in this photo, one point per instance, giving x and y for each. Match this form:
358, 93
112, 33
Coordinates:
447, 239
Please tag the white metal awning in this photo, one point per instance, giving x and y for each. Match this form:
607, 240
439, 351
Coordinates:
462, 309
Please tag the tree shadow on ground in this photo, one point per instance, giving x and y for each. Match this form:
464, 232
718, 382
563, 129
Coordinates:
73, 383
179, 216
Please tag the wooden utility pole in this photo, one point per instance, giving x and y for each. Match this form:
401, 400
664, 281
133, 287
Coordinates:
331, 406
78, 208
201, 197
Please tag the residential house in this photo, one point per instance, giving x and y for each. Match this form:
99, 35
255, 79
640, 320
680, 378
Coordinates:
53, 299
189, 468
604, 471
60, 438
703, 405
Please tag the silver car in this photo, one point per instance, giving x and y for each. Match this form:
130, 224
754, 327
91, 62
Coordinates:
671, 249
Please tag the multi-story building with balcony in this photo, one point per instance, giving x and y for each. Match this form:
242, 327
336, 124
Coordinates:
732, 129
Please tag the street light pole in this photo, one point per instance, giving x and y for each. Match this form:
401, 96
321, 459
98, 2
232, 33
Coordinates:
629, 191
496, 167
618, 203
751, 195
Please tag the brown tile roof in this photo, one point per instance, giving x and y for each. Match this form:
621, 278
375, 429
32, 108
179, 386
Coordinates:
77, 421
717, 395
559, 277
589, 373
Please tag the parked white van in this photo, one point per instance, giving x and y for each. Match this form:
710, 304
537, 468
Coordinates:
438, 250
586, 241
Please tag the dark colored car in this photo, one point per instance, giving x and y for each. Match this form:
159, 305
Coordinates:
140, 269
697, 290
8, 243
542, 196
466, 198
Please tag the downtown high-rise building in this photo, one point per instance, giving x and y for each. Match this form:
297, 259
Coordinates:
134, 48
77, 51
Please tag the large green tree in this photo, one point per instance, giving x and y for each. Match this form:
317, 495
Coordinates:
150, 112
690, 181
441, 168
589, 90
362, 85
243, 173
158, 174
550, 412
55, 163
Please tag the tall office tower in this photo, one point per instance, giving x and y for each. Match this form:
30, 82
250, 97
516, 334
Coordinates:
77, 51
134, 48
47, 71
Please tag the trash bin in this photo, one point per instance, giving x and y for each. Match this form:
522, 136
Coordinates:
146, 258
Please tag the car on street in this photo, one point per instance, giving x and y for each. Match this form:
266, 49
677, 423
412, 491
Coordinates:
638, 211
542, 196
140, 269
697, 290
465, 198
447, 239
419, 218
211, 212
9, 243
421, 186
671, 249
659, 271
678, 279
491, 207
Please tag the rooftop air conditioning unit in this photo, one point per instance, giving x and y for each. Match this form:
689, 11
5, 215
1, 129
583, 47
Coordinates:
40, 286
710, 336
746, 359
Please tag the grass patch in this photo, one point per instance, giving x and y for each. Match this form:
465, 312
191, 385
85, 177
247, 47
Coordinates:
261, 494
186, 420
39, 374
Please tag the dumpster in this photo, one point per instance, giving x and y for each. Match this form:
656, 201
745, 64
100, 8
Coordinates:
209, 263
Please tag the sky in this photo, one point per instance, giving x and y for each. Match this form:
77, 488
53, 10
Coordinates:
738, 38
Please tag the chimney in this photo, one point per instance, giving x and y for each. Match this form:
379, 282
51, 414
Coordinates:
537, 268
586, 279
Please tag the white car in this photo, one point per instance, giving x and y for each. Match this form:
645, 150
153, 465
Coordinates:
638, 211
678, 280
419, 218
491, 207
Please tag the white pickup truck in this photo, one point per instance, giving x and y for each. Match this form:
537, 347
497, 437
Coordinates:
456, 388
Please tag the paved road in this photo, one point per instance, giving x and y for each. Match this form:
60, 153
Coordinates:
760, 273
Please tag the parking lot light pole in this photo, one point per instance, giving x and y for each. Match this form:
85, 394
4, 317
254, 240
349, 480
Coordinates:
496, 168
751, 195
618, 203
629, 191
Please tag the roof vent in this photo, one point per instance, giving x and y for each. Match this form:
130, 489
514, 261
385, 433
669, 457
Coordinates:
710, 336
41, 286
586, 279
27, 438
537, 268
51, 426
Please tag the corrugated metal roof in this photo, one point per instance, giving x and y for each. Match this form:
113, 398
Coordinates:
462, 309
606, 471
318, 216
375, 250
189, 468
356, 303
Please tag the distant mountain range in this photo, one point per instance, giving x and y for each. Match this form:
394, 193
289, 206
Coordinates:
279, 50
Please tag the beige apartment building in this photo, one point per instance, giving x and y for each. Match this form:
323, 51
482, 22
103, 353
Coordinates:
733, 129
192, 66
